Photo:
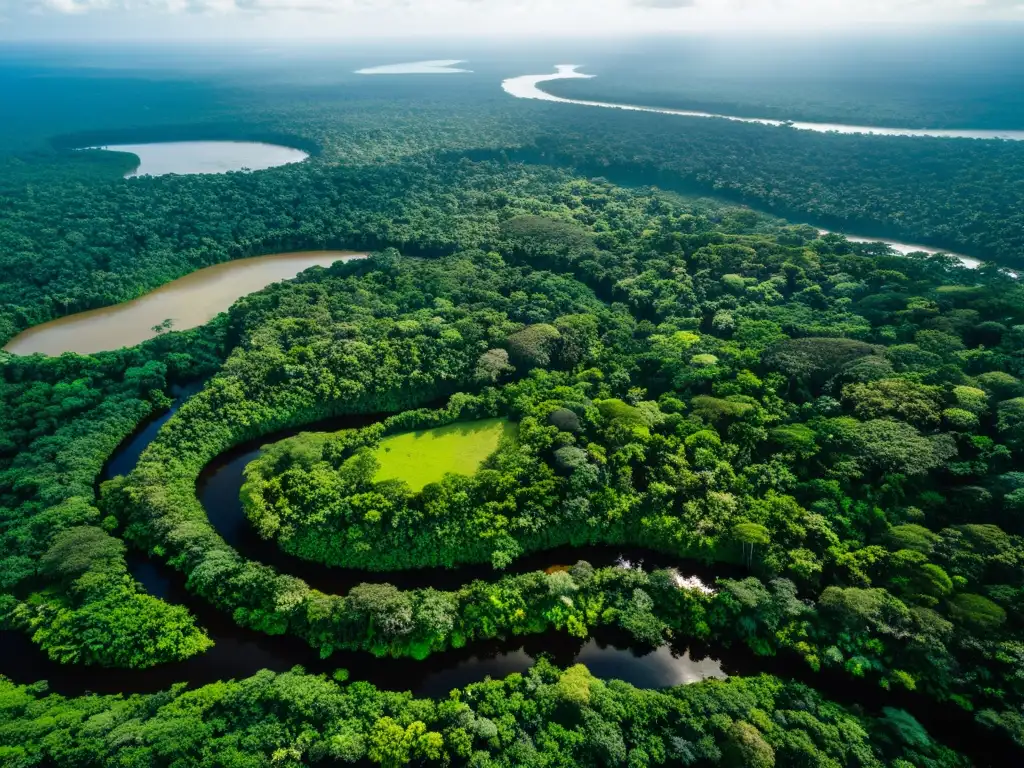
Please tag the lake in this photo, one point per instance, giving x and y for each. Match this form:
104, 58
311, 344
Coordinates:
527, 87
433, 67
187, 157
188, 302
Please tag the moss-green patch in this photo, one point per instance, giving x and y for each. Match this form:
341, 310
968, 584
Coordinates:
421, 458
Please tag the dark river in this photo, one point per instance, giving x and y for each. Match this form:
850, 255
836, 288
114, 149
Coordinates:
238, 652
610, 653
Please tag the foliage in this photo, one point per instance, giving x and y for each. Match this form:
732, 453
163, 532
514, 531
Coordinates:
547, 716
689, 377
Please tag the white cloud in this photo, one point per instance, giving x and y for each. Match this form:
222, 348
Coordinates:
922, 8
664, 3
383, 18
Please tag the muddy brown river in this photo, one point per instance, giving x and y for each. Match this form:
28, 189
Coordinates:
187, 302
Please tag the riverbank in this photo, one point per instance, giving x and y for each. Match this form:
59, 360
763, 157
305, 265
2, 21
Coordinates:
527, 87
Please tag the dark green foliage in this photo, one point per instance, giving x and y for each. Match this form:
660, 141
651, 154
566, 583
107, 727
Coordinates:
533, 346
565, 420
976, 611
814, 360
547, 716
61, 419
77, 550
691, 378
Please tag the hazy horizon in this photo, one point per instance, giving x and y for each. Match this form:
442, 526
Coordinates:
281, 20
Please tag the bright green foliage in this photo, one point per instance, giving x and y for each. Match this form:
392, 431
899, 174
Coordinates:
899, 398
421, 458
544, 717
1000, 384
63, 577
797, 438
911, 536
77, 550
960, 419
971, 399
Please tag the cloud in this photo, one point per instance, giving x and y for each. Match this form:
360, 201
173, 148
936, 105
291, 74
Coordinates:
922, 7
664, 3
190, 6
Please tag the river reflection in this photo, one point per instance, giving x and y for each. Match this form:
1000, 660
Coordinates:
609, 653
239, 653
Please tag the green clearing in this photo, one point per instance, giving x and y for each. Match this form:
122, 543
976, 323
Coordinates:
424, 457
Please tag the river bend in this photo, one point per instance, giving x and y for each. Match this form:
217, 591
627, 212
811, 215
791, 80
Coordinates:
527, 87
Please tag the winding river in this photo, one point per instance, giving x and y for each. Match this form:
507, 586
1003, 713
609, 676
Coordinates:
526, 87
187, 302
239, 652
609, 653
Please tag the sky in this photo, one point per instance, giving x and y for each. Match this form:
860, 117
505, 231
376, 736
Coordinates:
339, 19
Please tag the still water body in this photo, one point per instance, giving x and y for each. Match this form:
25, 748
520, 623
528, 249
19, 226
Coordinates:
188, 302
527, 87
186, 157
433, 67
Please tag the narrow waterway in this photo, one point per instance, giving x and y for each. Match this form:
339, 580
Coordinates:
219, 487
527, 87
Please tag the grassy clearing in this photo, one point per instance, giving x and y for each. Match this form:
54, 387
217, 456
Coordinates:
421, 458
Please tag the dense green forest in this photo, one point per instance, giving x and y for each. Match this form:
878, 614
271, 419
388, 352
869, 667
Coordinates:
838, 427
547, 717
887, 80
74, 236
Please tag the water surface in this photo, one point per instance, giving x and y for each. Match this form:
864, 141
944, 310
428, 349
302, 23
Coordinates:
906, 249
187, 302
526, 87
185, 157
433, 67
